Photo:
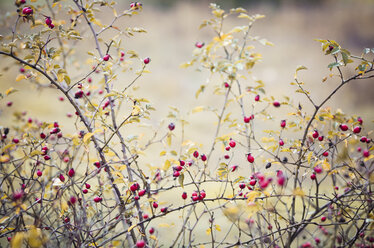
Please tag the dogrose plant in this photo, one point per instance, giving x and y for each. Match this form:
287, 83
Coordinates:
305, 182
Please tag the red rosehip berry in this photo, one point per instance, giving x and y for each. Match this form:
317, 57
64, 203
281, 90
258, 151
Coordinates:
250, 158
106, 57
71, 172
87, 186
147, 60
48, 21
323, 218
98, 199
227, 148
73, 200
313, 176
155, 205
357, 129
145, 216
21, 70
85, 191
171, 126
281, 180
46, 157
151, 230
18, 195
252, 182
276, 104
320, 138
67, 220
61, 177
122, 53
366, 153
283, 123
199, 44
164, 209
359, 120
226, 85
9, 239
182, 163
203, 157
359, 149
363, 139
39, 173
247, 119
317, 169
142, 192
203, 194
343, 127
195, 154
242, 185
184, 195
234, 167
51, 26
176, 174
16, 141
226, 156
27, 11
97, 164
325, 154
257, 98
9, 104
281, 142
232, 143
140, 244
315, 134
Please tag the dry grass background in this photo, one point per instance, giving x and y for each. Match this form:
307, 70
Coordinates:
171, 36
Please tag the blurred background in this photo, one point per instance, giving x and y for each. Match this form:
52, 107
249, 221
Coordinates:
292, 25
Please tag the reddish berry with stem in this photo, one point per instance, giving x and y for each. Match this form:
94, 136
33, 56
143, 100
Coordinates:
250, 158
195, 154
199, 44
343, 127
106, 57
232, 143
140, 244
171, 126
276, 104
184, 195
257, 98
147, 60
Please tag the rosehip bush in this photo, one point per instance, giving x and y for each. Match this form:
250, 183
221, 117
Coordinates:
306, 182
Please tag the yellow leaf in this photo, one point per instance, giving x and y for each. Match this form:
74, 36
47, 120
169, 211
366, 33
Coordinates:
35, 152
4, 159
309, 157
17, 240
163, 225
135, 110
2, 220
168, 139
253, 195
131, 227
299, 192
35, 237
218, 228
166, 165
86, 138
326, 166
10, 91
20, 77
153, 237
163, 153
208, 231
198, 109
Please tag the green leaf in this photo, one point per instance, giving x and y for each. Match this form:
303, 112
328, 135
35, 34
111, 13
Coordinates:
334, 64
181, 179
